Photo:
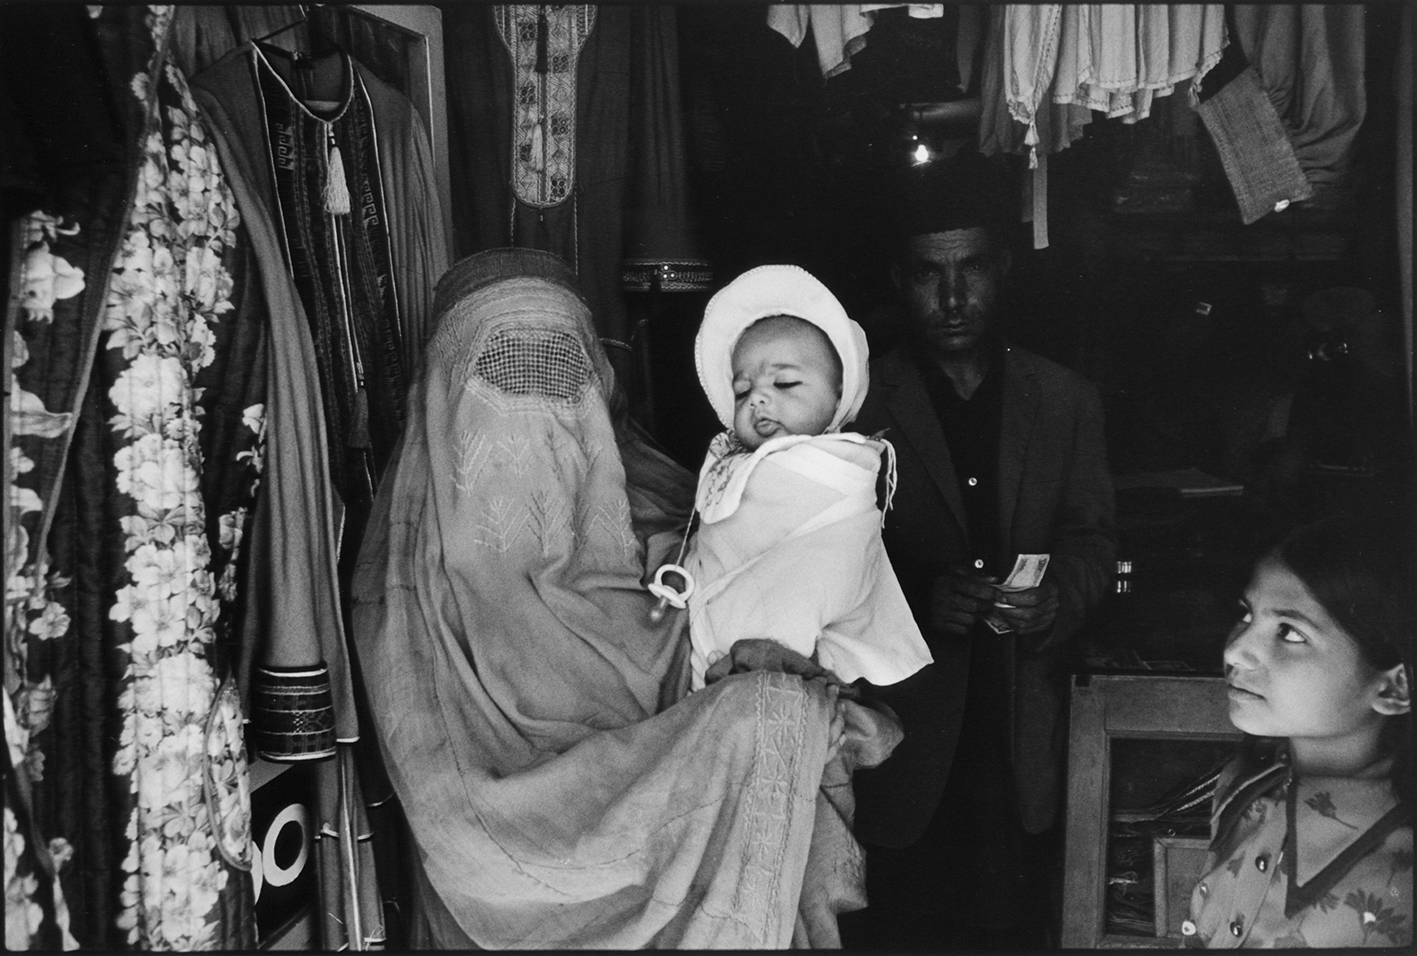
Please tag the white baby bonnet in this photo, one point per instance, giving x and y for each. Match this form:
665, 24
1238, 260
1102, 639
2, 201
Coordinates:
777, 290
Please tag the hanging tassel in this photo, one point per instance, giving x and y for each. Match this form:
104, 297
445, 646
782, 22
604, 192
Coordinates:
1030, 140
538, 146
336, 186
890, 479
359, 421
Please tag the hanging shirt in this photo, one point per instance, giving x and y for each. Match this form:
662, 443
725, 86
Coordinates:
1310, 61
839, 30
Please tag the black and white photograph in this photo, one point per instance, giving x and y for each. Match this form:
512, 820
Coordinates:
881, 477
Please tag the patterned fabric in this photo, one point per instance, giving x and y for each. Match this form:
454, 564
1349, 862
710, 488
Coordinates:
1306, 862
36, 911
297, 617
342, 264
1255, 152
627, 196
170, 287
545, 43
129, 730
533, 715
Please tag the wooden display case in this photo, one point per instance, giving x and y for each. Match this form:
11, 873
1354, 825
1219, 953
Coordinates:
1165, 708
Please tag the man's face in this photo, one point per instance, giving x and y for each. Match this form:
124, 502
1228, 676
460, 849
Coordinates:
950, 284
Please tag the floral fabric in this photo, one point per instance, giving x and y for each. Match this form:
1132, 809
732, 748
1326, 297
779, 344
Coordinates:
133, 456
1305, 862
180, 744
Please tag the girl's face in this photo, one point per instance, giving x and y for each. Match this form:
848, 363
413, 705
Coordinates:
1294, 672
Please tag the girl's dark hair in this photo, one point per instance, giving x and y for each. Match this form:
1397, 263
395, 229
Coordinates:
1361, 571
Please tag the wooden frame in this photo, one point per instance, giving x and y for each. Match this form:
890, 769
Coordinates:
1176, 862
1104, 707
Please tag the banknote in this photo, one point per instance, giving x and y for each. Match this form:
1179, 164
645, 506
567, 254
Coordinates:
1027, 573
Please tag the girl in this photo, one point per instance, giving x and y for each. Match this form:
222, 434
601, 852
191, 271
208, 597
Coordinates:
1312, 826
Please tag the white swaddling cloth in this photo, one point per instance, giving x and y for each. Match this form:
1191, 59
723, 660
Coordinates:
789, 549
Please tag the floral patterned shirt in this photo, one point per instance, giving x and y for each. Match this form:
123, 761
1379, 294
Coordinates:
1305, 862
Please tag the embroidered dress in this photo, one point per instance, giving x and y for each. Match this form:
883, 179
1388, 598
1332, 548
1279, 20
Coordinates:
789, 549
294, 629
1307, 862
338, 251
566, 135
297, 621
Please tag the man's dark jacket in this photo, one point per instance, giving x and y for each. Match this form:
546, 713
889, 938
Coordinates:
1055, 497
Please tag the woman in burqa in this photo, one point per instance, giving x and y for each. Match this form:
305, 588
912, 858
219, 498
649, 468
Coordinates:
562, 787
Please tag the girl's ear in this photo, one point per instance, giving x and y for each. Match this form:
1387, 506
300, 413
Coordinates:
1394, 696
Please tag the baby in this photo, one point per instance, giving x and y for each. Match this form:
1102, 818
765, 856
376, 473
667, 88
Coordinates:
1312, 825
789, 543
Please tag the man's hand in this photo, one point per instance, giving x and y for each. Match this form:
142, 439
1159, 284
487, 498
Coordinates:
959, 599
1031, 611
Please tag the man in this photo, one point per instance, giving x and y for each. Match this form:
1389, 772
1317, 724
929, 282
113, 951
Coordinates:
1000, 452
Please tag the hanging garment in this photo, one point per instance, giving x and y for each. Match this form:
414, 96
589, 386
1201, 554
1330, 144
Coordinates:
1255, 153
294, 637
839, 30
128, 341
532, 714
1116, 58
539, 129
1113, 58
1058, 124
325, 166
388, 151
1310, 62
1029, 43
660, 242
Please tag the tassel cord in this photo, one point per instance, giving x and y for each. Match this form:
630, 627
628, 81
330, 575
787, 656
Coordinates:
336, 182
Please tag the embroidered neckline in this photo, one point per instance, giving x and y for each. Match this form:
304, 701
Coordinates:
341, 103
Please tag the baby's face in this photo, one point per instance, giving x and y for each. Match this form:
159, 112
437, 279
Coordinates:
786, 380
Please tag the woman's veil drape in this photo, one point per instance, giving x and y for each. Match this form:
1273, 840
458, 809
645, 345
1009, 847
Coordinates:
559, 791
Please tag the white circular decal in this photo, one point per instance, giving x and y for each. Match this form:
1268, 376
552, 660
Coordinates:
271, 871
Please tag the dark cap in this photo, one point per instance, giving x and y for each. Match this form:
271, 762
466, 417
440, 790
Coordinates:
965, 191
